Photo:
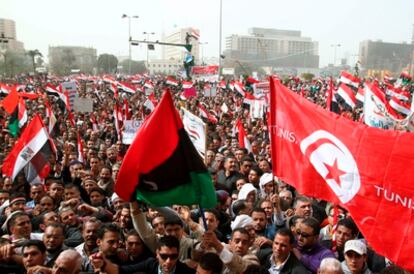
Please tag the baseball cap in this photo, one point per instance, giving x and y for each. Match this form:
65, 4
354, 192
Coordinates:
355, 245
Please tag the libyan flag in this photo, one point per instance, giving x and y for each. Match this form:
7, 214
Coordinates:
162, 167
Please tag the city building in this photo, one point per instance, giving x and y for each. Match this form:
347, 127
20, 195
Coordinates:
384, 56
63, 59
162, 66
178, 53
8, 36
276, 48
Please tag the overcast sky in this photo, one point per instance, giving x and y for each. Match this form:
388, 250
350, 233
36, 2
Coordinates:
98, 24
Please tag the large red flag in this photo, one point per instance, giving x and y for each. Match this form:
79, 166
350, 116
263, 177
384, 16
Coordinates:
367, 170
162, 167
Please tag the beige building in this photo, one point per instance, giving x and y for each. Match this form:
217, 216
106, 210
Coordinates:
385, 56
168, 67
178, 53
273, 47
8, 36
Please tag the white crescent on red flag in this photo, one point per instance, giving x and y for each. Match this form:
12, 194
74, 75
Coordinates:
367, 170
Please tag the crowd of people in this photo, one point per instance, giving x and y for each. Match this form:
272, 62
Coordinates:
74, 222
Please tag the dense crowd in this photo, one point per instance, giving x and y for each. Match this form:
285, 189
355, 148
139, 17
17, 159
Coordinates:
73, 222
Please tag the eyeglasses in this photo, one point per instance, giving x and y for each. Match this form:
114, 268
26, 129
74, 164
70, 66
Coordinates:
303, 234
170, 256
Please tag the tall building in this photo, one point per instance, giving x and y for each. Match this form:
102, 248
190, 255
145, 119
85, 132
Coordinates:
379, 55
68, 58
178, 53
272, 47
8, 36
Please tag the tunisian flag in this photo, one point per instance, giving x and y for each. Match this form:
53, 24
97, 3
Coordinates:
367, 170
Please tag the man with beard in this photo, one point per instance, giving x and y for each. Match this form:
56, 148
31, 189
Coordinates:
235, 255
230, 174
73, 234
108, 242
125, 221
89, 246
105, 180
281, 260
309, 252
53, 239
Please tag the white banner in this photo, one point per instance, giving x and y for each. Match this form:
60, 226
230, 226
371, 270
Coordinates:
375, 113
130, 130
196, 129
71, 88
84, 105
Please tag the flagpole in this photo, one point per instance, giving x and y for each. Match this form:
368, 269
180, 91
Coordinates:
203, 217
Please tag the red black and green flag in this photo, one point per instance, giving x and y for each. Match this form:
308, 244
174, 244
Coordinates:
162, 166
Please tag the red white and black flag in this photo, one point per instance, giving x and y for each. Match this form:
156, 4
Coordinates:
367, 170
31, 153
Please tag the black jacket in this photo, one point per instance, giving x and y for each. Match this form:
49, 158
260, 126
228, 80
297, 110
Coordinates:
150, 266
292, 266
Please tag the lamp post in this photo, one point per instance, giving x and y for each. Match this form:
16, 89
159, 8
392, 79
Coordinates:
335, 46
129, 38
148, 34
202, 51
220, 35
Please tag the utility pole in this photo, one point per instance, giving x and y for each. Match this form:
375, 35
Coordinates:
129, 38
410, 67
220, 35
148, 34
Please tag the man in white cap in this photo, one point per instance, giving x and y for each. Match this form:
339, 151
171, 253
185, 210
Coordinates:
355, 258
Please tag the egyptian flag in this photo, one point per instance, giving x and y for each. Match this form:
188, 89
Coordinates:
126, 87
125, 108
51, 117
118, 118
31, 153
151, 102
349, 79
400, 106
222, 85
187, 84
204, 113
242, 137
346, 96
171, 81
162, 166
22, 113
81, 156
240, 88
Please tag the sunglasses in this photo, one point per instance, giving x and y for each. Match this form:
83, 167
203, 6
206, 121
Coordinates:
170, 256
303, 234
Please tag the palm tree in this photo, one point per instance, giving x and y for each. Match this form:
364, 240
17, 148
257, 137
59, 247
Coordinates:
33, 54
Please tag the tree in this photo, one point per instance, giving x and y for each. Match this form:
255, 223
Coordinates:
63, 64
107, 63
136, 66
33, 54
307, 76
13, 63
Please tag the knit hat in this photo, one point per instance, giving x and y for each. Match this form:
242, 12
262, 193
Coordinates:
222, 196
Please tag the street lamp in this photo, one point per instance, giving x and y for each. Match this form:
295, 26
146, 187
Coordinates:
335, 46
129, 38
220, 35
147, 39
202, 51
